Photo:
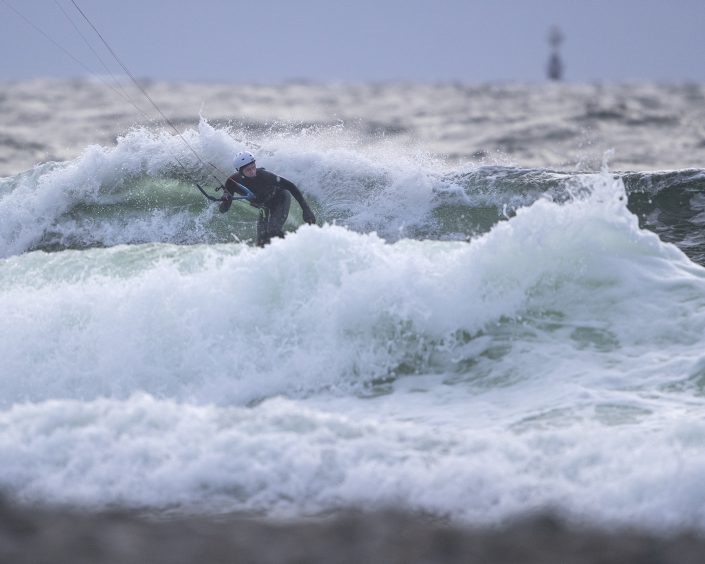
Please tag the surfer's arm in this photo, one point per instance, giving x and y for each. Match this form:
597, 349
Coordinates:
227, 199
225, 203
229, 190
288, 185
232, 186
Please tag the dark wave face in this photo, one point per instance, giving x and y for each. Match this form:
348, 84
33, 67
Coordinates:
671, 204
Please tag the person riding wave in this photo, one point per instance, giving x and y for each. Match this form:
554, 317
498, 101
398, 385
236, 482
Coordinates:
271, 193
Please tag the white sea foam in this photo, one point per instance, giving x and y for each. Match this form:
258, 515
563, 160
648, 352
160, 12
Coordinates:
478, 380
284, 459
550, 358
128, 193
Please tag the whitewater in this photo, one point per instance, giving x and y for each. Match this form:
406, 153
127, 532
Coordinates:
473, 339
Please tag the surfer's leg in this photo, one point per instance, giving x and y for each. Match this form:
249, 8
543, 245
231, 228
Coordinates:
263, 228
278, 213
272, 219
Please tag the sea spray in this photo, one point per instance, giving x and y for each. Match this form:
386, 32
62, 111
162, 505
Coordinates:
469, 341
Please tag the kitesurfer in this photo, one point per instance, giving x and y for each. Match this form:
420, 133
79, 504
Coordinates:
270, 192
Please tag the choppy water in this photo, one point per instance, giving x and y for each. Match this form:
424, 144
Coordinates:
464, 336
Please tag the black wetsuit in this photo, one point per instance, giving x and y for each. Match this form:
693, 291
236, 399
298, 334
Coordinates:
273, 195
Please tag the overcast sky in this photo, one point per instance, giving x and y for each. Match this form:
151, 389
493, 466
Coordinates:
358, 40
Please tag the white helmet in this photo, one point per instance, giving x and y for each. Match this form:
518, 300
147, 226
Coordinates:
243, 159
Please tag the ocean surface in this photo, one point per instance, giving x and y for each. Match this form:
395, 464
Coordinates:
501, 309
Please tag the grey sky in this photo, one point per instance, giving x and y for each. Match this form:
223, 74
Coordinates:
273, 40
